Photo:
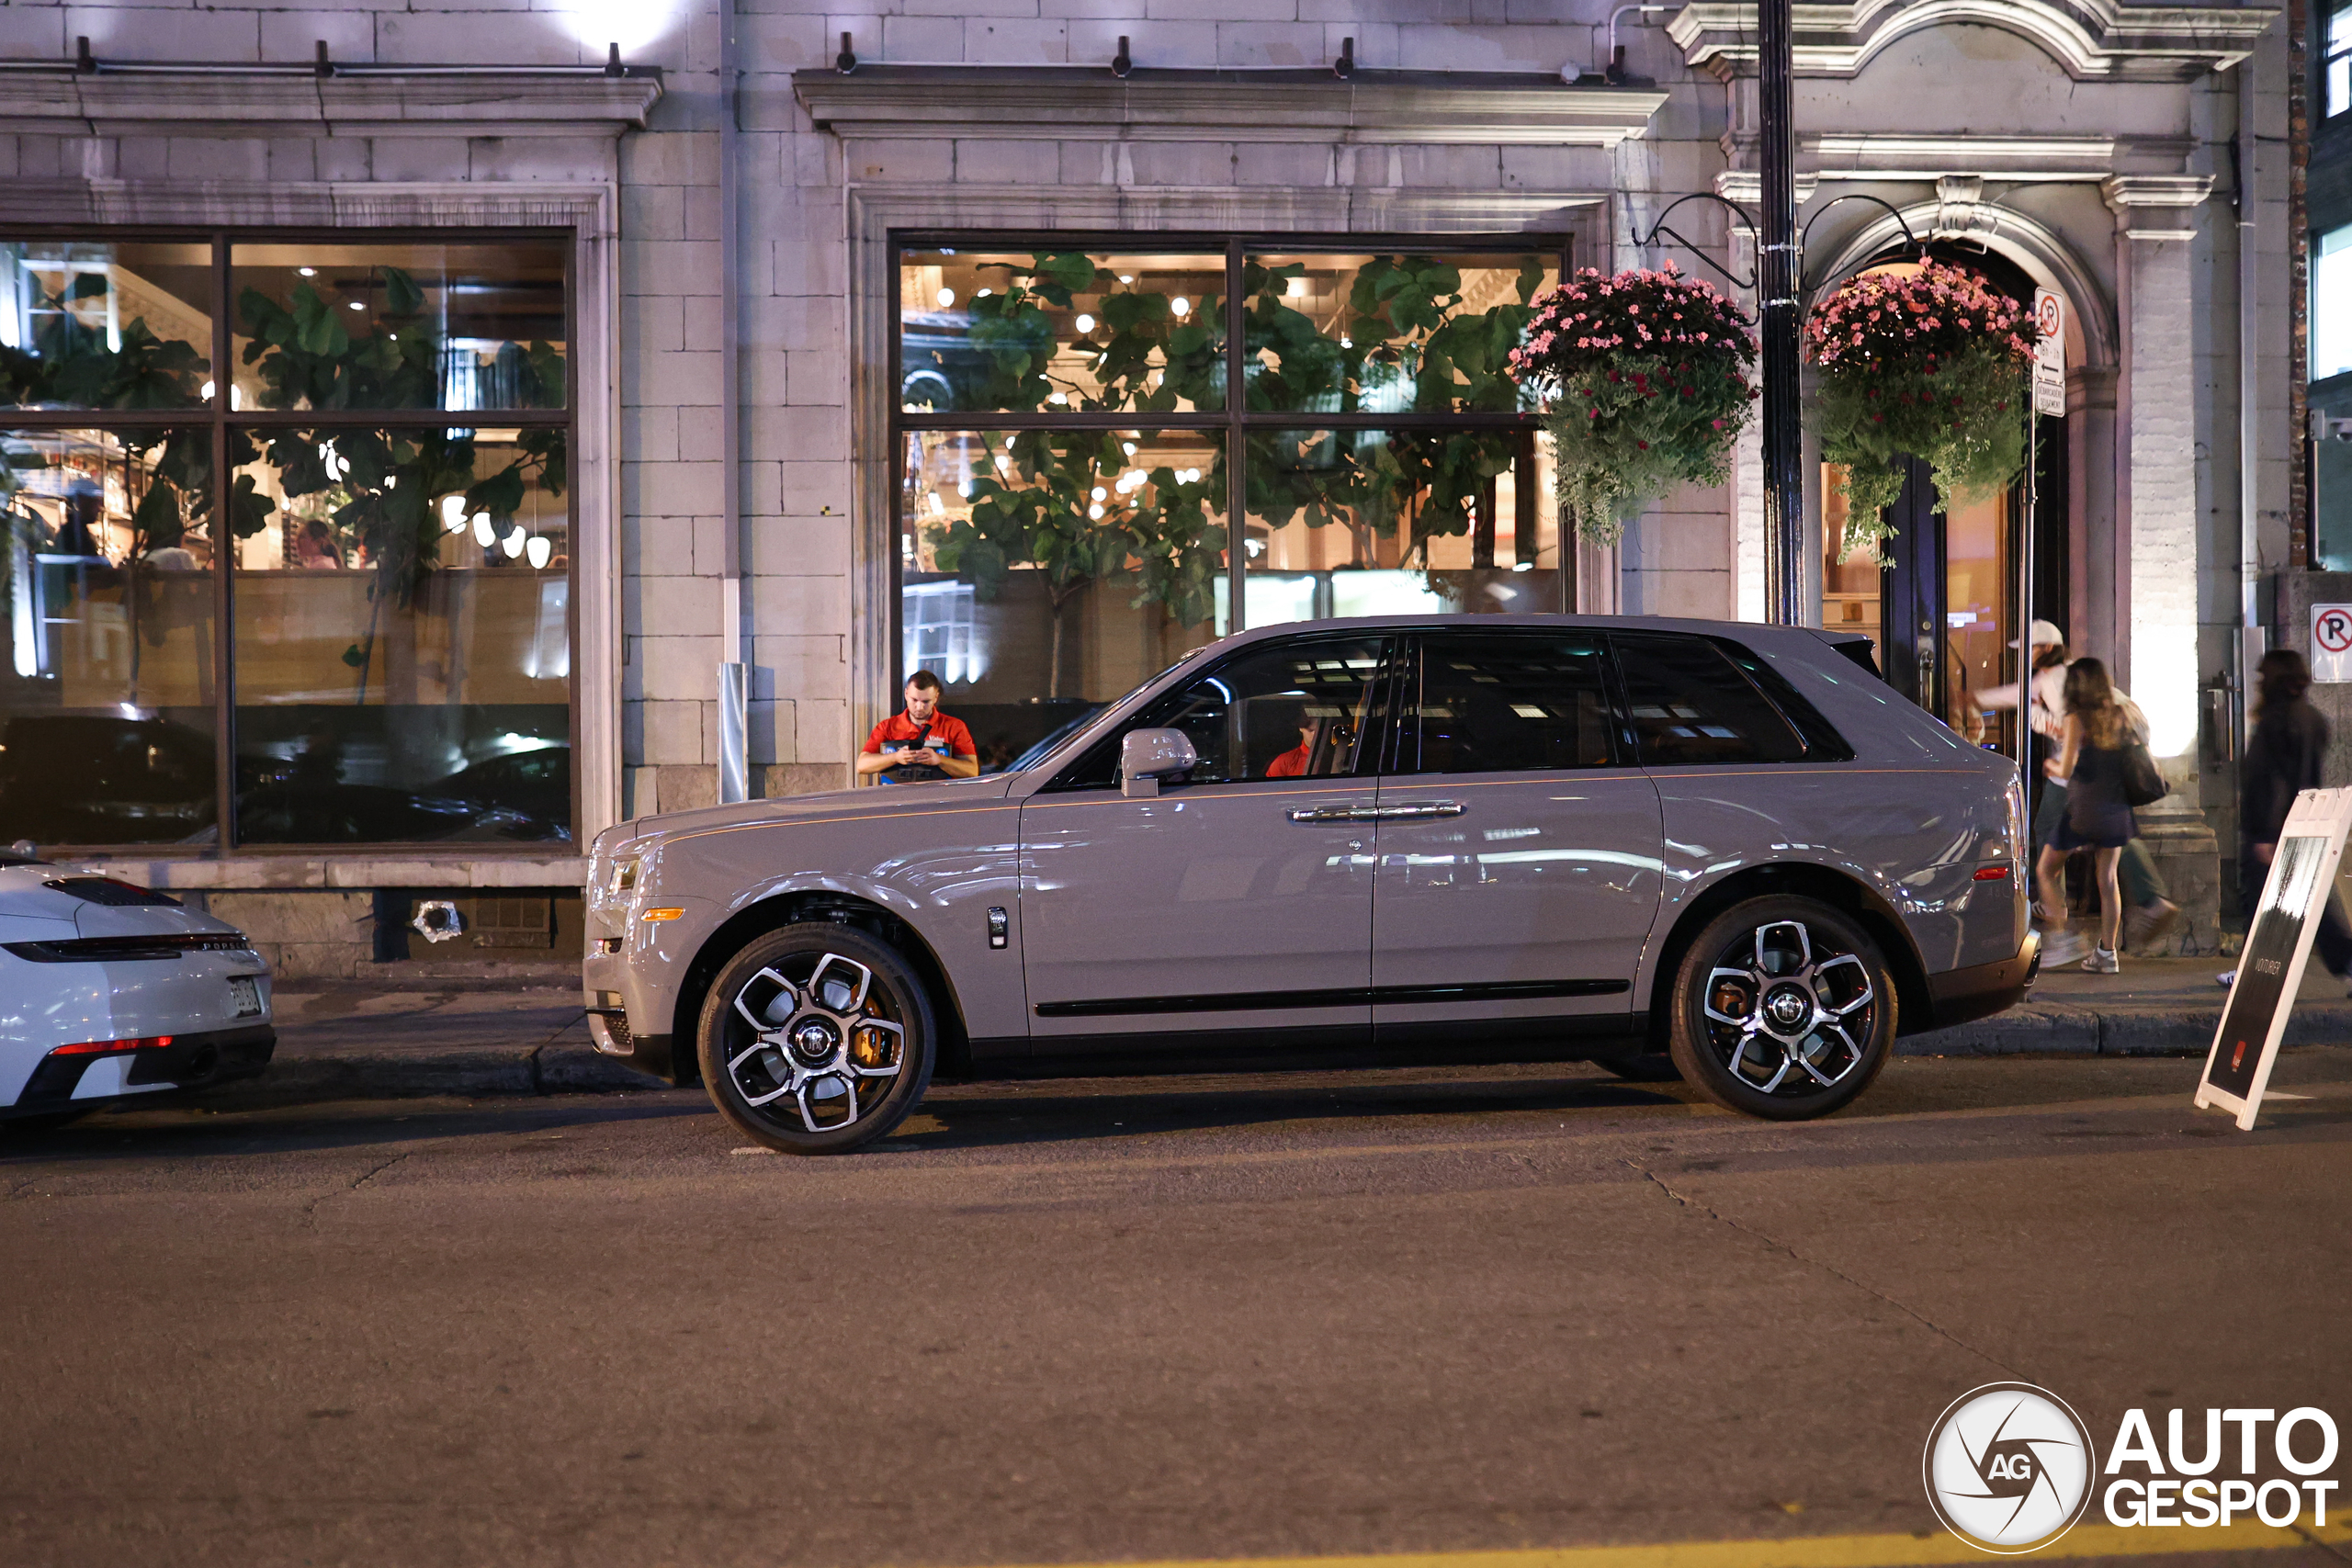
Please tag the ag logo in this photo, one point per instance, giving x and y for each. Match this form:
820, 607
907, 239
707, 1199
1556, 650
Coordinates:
2008, 1468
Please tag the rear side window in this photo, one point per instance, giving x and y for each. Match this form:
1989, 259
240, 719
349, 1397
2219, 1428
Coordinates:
1505, 702
1690, 706
1822, 741
1292, 709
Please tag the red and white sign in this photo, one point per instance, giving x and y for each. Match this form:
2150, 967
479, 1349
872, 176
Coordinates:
2332, 642
2050, 353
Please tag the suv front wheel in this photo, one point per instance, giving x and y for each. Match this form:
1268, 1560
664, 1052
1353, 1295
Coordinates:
816, 1039
1782, 1009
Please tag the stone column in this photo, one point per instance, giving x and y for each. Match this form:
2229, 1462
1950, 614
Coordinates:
2155, 652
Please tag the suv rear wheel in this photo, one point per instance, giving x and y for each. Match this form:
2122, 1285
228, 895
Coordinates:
816, 1039
1782, 1009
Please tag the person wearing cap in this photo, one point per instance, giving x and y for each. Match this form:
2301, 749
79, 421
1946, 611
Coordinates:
2149, 912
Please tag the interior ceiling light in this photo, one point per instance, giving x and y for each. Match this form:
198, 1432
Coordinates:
358, 305
453, 514
1085, 323
947, 296
539, 551
1180, 305
484, 534
513, 544
1295, 289
308, 271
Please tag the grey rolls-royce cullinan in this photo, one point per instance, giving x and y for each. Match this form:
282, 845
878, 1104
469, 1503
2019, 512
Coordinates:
1725, 852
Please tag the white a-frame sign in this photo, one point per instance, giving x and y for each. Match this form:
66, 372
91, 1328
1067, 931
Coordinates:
2270, 968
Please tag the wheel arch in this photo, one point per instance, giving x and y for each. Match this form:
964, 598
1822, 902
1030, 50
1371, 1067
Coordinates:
812, 907
1805, 879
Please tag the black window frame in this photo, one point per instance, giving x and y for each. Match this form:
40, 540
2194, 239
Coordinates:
219, 417
1237, 421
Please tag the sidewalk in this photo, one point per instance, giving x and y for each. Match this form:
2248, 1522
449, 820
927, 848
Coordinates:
357, 1040
2156, 1007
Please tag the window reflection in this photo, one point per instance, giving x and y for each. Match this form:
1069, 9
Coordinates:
1393, 334
1044, 571
1378, 522
400, 326
1047, 332
96, 325
402, 633
106, 684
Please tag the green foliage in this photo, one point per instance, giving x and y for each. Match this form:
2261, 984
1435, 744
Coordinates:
1643, 377
1406, 329
1931, 365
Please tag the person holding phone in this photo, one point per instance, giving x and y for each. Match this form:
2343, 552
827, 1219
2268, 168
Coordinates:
920, 743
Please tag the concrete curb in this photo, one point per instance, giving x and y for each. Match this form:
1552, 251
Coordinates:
568, 1068
2147, 1030
298, 1077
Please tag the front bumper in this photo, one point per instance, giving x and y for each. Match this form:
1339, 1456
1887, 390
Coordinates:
190, 1061
609, 1033
1960, 996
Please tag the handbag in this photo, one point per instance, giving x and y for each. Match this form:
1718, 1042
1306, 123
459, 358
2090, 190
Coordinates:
2143, 784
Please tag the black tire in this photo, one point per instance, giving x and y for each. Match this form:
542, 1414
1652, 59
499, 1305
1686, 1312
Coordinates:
825, 1029
1782, 965
1650, 1068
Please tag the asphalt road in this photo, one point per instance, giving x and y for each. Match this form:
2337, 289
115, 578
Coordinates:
1134, 1319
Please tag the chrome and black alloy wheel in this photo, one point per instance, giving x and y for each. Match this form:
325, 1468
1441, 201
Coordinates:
816, 1039
1783, 1009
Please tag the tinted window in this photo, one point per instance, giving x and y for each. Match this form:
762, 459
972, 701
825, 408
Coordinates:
1297, 709
1822, 741
1498, 701
1690, 706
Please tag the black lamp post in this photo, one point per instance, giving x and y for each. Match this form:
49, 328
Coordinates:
1781, 288
1779, 266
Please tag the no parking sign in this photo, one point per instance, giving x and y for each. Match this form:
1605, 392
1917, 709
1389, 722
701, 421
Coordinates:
2332, 642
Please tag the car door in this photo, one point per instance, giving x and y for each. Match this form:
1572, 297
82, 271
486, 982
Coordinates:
1238, 900
1518, 848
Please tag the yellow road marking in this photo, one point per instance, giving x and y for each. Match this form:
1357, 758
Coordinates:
1823, 1550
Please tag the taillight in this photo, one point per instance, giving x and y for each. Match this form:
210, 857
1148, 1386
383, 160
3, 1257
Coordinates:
112, 1047
1992, 874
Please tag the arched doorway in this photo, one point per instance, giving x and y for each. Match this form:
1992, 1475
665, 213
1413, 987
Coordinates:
1942, 605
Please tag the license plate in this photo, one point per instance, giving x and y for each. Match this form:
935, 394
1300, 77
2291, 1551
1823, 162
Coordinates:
244, 996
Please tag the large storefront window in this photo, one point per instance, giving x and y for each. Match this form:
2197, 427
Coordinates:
1078, 539
388, 596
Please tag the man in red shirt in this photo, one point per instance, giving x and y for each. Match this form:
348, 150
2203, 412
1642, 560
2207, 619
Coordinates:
1291, 763
920, 743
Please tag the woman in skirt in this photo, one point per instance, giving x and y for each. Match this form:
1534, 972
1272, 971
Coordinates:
2090, 764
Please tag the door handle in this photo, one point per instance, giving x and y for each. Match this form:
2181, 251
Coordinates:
1420, 810
1332, 814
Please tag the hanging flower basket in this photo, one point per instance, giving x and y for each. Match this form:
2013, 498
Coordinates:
1642, 379
1930, 365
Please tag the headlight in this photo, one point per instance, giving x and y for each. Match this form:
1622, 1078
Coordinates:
616, 882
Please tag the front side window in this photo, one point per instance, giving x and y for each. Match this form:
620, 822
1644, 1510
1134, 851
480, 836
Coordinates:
395, 662
1690, 706
1111, 454
1303, 708
1508, 702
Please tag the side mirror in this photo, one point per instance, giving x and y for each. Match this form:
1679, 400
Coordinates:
1146, 756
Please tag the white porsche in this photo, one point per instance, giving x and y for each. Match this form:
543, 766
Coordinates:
110, 991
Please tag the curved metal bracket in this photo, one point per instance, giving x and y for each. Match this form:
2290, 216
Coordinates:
1659, 227
1805, 288
1804, 236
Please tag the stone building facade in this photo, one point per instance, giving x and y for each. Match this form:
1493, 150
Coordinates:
766, 215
